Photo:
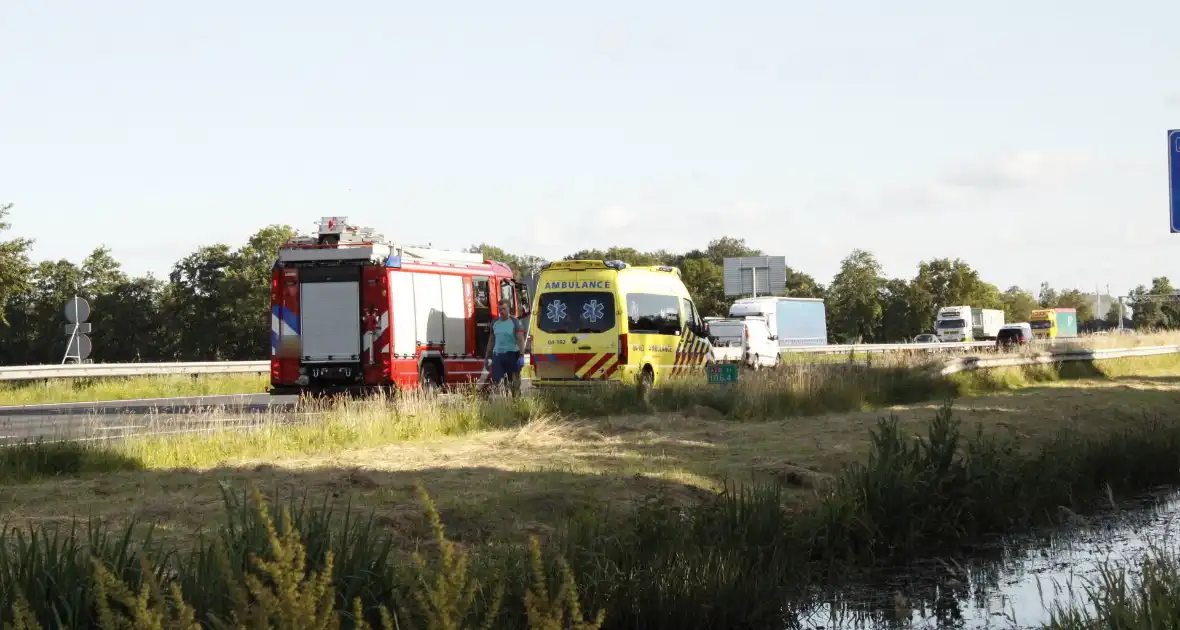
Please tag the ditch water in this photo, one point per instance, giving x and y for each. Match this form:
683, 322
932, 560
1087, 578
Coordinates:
1010, 583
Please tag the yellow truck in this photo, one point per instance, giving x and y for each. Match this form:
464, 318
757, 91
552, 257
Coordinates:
1054, 323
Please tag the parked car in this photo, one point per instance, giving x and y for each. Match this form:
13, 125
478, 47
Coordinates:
746, 341
1014, 335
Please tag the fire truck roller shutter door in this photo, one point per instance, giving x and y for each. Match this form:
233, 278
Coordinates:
429, 307
330, 314
405, 326
453, 310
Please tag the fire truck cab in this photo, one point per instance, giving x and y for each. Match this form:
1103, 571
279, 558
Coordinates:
353, 312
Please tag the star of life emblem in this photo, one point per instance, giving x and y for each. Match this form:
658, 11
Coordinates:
593, 311
555, 311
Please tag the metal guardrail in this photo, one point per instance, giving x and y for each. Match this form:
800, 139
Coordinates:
1072, 354
88, 370
888, 347
91, 370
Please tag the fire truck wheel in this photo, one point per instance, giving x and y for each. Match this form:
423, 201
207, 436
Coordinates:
429, 375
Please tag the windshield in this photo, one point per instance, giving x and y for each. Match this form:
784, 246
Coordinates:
1040, 325
727, 330
951, 323
571, 312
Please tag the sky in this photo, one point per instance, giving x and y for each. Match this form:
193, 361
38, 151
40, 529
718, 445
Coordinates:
1028, 139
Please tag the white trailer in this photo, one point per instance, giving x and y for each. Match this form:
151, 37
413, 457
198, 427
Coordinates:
965, 323
986, 323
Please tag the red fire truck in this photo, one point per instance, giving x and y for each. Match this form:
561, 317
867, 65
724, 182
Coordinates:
351, 312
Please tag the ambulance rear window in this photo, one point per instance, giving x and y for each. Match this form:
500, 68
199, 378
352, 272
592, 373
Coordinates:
575, 312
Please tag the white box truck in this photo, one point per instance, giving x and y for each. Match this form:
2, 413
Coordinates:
964, 323
792, 321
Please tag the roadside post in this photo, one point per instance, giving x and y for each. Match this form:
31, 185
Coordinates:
78, 348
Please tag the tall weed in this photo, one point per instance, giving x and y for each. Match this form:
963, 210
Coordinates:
734, 560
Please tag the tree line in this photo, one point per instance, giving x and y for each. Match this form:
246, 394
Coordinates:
214, 303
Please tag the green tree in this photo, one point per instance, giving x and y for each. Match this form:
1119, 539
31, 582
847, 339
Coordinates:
854, 300
101, 274
954, 283
197, 304
629, 255
55, 283
129, 323
1047, 296
1154, 307
898, 320
14, 264
247, 291
523, 266
704, 282
1018, 304
1075, 299
729, 247
803, 285
1113, 315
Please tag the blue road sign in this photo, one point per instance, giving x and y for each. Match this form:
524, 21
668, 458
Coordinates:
1174, 178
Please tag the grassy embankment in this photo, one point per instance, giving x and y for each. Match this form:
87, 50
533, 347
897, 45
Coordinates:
124, 388
628, 499
718, 561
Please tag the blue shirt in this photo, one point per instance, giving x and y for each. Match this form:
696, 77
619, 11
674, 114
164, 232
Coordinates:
504, 331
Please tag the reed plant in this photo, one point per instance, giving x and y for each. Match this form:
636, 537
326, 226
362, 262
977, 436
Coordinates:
1146, 596
736, 559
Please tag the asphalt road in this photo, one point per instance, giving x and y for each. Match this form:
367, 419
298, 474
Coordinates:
121, 417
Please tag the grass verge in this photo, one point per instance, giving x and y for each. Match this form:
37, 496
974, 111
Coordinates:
123, 388
733, 559
67, 390
324, 427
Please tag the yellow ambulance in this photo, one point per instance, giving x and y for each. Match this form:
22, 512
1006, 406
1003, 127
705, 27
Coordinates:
596, 321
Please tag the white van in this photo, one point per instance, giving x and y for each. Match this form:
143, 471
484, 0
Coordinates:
746, 341
792, 321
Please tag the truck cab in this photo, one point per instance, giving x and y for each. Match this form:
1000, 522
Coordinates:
1054, 323
953, 324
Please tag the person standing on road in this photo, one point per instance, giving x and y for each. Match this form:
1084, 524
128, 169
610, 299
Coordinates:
505, 352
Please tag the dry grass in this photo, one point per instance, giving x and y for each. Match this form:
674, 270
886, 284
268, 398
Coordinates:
1114, 339
509, 483
342, 425
100, 389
